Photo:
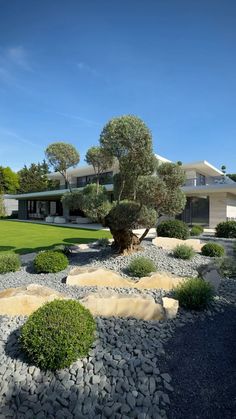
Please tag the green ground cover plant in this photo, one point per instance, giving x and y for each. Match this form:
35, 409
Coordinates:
194, 294
9, 262
213, 250
50, 261
182, 251
141, 266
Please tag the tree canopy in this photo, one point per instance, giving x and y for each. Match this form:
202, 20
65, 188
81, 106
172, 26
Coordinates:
34, 178
62, 156
9, 181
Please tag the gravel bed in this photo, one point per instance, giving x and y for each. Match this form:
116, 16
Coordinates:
124, 375
163, 260
205, 379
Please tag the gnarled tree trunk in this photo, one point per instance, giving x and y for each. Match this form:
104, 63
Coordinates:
125, 241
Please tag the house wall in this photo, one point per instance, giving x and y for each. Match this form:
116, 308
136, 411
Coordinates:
190, 174
10, 205
231, 206
218, 208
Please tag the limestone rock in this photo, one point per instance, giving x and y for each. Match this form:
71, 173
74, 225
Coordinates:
171, 307
98, 277
158, 280
169, 243
25, 300
120, 305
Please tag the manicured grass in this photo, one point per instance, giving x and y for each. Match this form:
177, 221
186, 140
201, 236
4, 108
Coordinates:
20, 237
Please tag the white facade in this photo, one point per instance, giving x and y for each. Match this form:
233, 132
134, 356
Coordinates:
202, 180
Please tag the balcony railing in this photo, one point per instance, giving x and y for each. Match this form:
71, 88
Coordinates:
210, 180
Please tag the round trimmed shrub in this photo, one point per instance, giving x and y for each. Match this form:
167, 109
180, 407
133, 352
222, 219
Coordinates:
173, 228
50, 261
57, 334
9, 262
213, 250
141, 266
182, 251
226, 229
194, 294
196, 230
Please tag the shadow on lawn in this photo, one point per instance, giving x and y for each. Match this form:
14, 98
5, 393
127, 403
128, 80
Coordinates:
6, 248
65, 242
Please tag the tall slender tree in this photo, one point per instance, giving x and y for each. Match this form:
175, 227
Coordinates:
100, 159
61, 157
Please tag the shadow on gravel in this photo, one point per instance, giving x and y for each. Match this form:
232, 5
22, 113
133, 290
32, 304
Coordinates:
201, 358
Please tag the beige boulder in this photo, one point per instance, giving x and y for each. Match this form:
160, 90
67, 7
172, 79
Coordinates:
163, 280
25, 300
169, 243
98, 277
120, 305
171, 307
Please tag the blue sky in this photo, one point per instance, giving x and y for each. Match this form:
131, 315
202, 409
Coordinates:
67, 67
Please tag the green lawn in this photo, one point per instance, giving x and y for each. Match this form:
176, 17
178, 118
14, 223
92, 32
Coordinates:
20, 237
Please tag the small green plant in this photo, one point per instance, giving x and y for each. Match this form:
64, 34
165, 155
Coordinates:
50, 261
196, 230
213, 250
194, 294
9, 262
182, 251
57, 334
141, 266
103, 242
228, 267
173, 228
226, 229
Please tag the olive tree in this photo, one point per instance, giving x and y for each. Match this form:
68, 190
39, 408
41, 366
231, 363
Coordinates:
92, 201
100, 160
61, 156
141, 196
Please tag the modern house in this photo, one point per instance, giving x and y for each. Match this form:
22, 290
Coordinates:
211, 195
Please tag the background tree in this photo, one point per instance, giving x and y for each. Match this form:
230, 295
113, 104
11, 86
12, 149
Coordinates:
129, 141
34, 178
2, 206
62, 156
100, 160
232, 176
9, 181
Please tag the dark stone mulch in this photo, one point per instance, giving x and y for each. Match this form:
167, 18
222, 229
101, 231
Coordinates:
201, 359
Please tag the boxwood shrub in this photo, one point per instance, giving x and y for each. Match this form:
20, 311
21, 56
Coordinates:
50, 261
173, 228
9, 262
194, 294
196, 230
57, 334
213, 250
182, 251
226, 229
141, 266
